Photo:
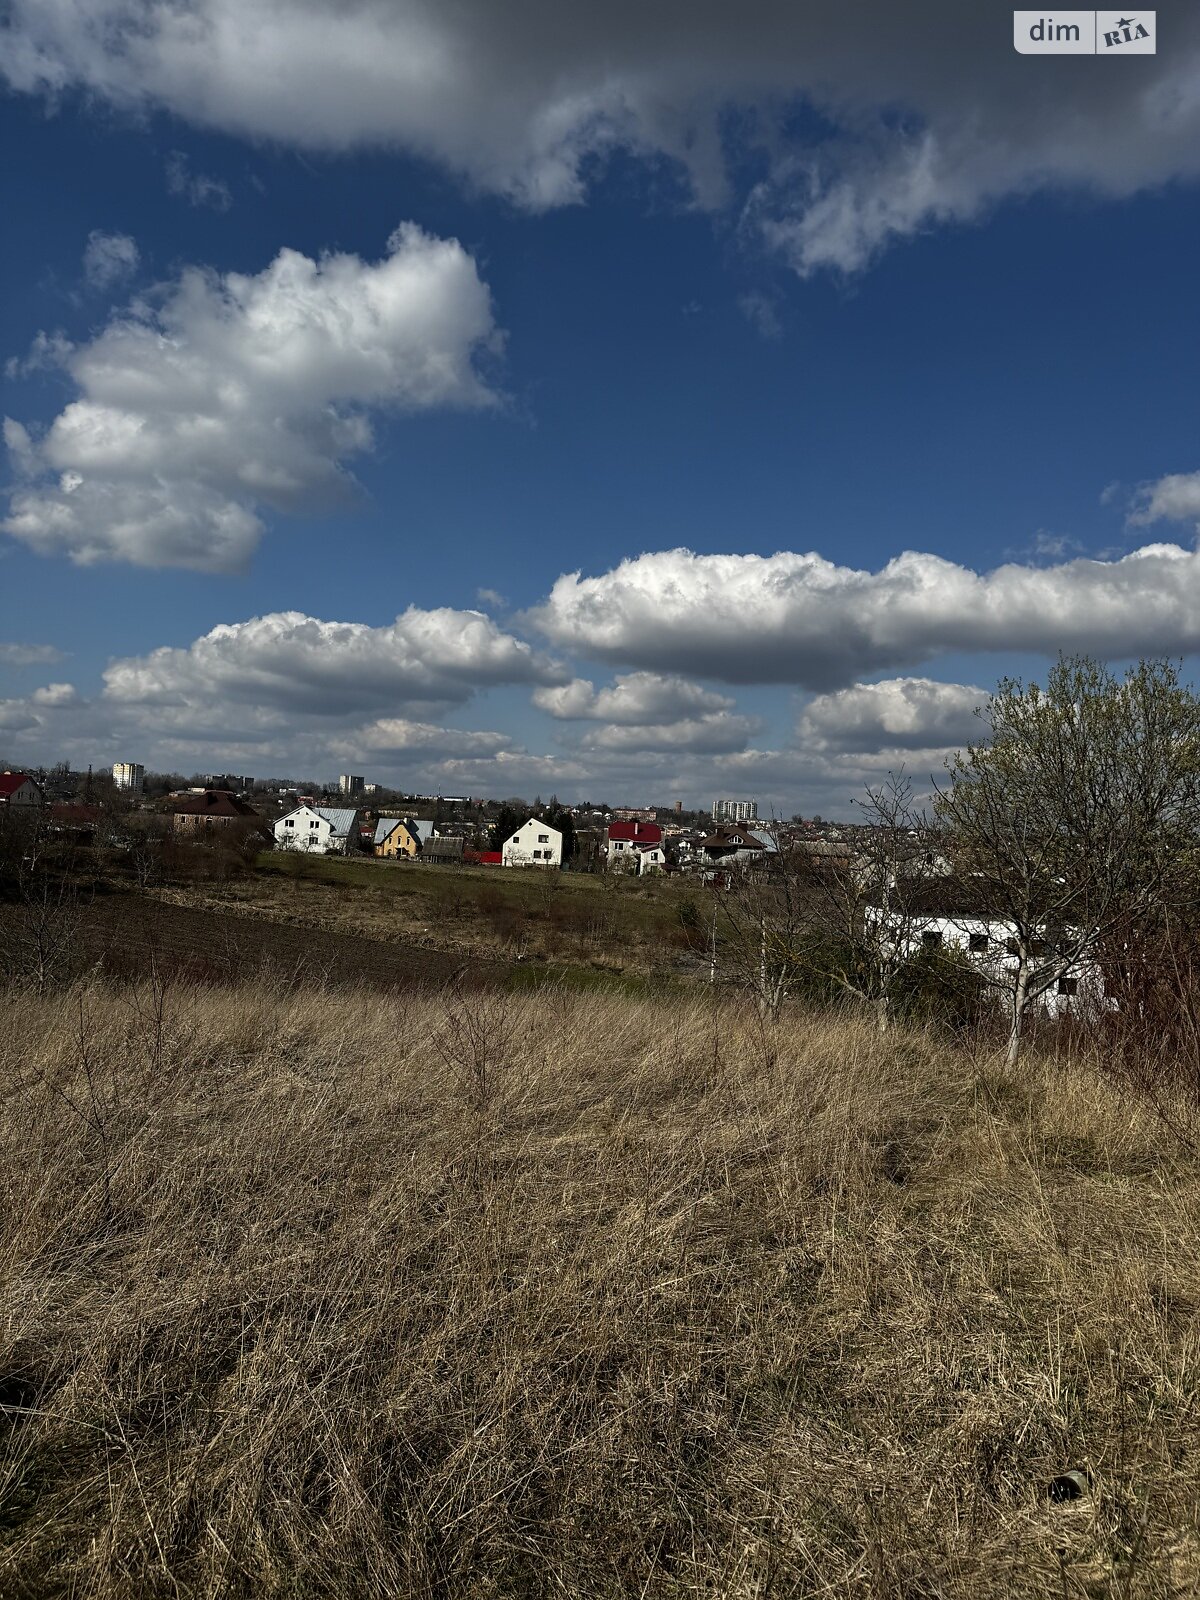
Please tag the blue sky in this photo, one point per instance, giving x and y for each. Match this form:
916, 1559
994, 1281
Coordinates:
947, 308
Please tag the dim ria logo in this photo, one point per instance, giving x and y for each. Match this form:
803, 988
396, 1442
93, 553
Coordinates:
1084, 33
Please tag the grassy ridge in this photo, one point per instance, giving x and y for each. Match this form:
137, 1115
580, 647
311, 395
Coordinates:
605, 920
322, 1294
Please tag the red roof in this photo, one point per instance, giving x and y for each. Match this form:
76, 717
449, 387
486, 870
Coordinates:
10, 782
636, 832
81, 815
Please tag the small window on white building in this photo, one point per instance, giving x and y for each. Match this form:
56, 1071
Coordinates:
977, 944
1068, 986
291, 822
931, 939
543, 838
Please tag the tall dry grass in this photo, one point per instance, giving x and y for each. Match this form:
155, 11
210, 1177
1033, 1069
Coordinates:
316, 1294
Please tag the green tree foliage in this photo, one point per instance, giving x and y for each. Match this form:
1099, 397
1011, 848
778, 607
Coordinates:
505, 824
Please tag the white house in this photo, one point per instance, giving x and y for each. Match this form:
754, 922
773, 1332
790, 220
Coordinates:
623, 840
650, 858
319, 830
535, 844
991, 944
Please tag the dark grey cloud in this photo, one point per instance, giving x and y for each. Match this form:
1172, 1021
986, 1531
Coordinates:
926, 113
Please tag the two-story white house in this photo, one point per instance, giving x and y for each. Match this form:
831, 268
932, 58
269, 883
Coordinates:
990, 943
318, 830
650, 858
535, 844
624, 840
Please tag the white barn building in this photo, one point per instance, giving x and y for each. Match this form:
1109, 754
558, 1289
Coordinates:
990, 943
535, 844
318, 830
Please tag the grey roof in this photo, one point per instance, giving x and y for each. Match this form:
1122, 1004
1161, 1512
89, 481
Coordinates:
442, 848
423, 829
339, 818
384, 826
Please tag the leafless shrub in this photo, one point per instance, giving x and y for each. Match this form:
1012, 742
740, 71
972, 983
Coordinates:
47, 905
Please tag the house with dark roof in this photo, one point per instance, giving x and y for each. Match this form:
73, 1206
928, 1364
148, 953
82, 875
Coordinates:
650, 857
396, 836
734, 845
442, 849
211, 811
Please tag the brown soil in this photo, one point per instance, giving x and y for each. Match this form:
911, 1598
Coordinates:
125, 934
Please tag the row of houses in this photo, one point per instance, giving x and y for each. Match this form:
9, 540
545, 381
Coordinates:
643, 847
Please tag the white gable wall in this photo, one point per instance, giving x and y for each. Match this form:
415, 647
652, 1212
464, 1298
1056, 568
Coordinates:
307, 830
535, 844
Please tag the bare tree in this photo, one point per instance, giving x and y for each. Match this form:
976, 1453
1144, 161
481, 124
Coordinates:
1076, 816
759, 927
866, 897
40, 876
840, 916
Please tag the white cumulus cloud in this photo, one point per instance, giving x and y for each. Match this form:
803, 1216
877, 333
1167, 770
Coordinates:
634, 697
296, 666
1174, 498
801, 619
425, 741
231, 393
896, 714
649, 711
717, 732
52, 695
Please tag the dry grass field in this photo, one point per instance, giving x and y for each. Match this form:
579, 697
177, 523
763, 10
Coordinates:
317, 1293
606, 921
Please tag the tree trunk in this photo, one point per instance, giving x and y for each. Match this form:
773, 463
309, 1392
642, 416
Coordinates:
1020, 1001
883, 1014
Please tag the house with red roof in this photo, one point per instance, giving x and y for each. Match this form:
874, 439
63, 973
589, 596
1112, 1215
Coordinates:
19, 792
622, 841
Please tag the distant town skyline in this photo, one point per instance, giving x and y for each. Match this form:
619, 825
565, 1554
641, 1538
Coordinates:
630, 401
